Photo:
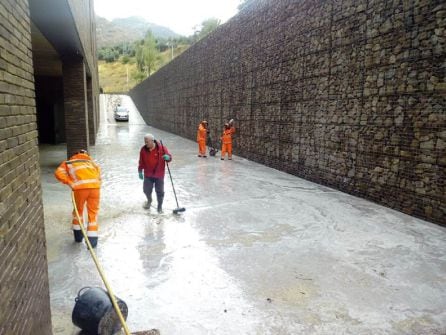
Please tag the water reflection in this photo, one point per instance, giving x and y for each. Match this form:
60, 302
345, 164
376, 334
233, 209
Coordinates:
192, 288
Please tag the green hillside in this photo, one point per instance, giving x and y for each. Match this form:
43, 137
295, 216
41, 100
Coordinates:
124, 65
122, 75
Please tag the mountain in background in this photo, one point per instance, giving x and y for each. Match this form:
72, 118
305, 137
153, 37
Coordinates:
130, 29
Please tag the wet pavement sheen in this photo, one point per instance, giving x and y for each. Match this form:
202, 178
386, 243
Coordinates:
257, 251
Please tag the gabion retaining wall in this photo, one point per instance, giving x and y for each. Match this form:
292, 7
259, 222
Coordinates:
349, 94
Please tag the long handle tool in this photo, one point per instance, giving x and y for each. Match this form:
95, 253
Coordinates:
178, 209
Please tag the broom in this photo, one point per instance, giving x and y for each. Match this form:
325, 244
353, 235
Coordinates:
178, 209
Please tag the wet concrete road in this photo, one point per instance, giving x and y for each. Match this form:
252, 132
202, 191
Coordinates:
257, 251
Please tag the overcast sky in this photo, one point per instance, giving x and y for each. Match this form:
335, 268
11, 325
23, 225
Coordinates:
179, 15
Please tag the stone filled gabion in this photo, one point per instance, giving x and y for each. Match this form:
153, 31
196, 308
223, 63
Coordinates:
349, 94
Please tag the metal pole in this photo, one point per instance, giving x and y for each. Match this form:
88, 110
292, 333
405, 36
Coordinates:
127, 66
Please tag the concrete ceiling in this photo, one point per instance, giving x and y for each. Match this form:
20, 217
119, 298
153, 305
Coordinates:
54, 21
46, 59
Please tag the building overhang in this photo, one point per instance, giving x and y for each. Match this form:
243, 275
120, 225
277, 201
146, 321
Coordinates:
55, 21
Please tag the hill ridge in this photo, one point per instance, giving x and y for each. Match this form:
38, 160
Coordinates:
127, 29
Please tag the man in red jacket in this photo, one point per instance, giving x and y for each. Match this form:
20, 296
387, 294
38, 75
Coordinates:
152, 158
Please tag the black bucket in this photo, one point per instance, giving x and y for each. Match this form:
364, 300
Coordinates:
94, 312
212, 151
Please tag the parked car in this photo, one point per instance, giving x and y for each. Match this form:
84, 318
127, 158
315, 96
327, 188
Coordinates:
121, 113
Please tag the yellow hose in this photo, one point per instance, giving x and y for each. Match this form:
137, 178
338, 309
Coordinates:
98, 266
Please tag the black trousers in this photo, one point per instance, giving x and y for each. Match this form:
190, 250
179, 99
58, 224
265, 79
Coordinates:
159, 189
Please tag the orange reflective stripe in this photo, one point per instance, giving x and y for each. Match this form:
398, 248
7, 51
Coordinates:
62, 170
86, 181
72, 173
92, 226
80, 167
76, 161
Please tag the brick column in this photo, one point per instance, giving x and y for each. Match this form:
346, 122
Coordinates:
91, 113
76, 107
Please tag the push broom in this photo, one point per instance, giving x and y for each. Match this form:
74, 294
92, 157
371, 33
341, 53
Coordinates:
178, 209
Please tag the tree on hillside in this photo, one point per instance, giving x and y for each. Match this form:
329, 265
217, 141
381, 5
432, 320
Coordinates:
108, 54
205, 28
182, 40
147, 54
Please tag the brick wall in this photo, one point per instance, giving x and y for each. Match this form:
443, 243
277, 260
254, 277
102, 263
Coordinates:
24, 292
83, 14
75, 105
349, 94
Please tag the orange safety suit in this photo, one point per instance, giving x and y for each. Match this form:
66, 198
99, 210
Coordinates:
201, 139
226, 142
83, 175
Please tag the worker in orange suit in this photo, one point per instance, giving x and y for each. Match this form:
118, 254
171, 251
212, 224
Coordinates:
83, 176
226, 140
201, 138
